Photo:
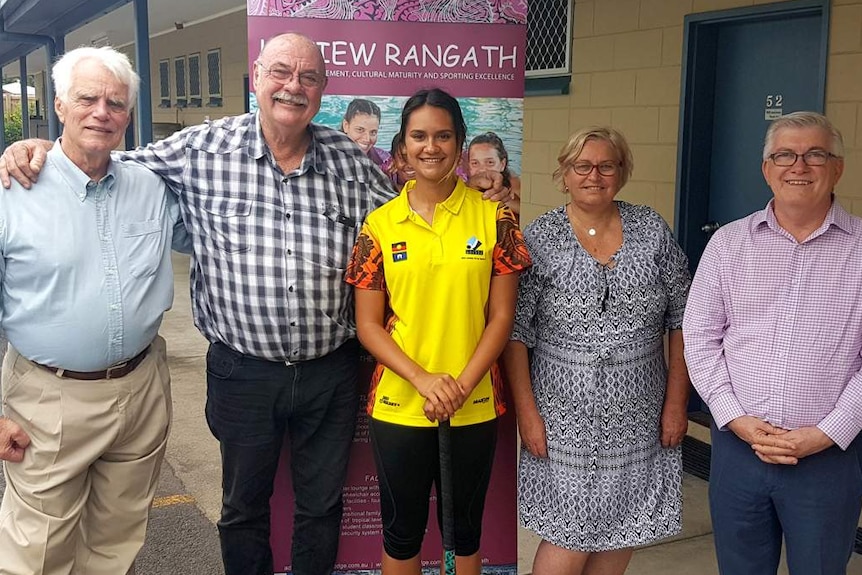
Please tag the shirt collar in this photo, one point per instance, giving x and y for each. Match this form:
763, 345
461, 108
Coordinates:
836, 216
453, 203
258, 148
74, 177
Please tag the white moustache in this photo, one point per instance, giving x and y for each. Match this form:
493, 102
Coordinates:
286, 98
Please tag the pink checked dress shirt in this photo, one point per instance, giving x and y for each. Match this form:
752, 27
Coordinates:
773, 327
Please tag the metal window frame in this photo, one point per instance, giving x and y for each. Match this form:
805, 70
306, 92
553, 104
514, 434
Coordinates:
210, 93
559, 72
182, 92
194, 91
165, 80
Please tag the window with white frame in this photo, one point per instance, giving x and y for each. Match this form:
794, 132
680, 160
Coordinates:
181, 81
164, 84
549, 38
195, 80
214, 78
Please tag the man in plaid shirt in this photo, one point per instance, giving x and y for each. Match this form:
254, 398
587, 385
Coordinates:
773, 335
273, 203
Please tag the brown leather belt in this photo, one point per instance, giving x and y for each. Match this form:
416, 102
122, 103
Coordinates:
114, 372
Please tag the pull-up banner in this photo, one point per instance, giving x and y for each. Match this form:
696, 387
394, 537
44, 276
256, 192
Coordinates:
382, 51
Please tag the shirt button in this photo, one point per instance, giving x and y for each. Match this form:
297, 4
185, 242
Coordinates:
293, 324
290, 289
289, 252
287, 216
115, 306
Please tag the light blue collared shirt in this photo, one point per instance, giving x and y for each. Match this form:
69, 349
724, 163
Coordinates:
85, 272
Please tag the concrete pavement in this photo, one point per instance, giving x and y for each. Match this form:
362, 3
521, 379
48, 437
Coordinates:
182, 538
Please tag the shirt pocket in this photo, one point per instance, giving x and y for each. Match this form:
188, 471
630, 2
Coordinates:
334, 230
144, 246
228, 224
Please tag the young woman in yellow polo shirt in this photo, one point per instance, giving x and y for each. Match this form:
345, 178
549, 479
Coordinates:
436, 272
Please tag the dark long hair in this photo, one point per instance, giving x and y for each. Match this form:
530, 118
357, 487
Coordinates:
439, 99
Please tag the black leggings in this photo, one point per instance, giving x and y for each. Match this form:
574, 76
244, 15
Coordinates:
408, 464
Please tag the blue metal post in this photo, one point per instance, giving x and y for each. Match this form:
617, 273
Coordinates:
53, 123
142, 58
2, 126
25, 98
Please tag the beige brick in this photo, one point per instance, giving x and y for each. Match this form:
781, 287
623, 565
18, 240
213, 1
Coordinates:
636, 192
668, 124
593, 54
844, 117
637, 50
613, 16
592, 117
638, 124
546, 102
842, 2
671, 46
845, 33
550, 124
546, 195
535, 156
710, 5
530, 212
526, 187
658, 86
662, 13
654, 163
613, 88
665, 202
579, 96
582, 19
850, 185
843, 81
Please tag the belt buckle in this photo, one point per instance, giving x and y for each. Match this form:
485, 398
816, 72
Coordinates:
109, 372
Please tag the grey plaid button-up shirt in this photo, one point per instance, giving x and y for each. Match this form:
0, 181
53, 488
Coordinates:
270, 248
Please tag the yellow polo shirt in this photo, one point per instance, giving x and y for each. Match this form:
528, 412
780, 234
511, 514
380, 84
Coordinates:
437, 278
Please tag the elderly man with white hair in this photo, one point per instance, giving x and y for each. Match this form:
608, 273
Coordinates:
85, 277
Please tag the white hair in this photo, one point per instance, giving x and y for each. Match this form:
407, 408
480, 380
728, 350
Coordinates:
115, 62
801, 120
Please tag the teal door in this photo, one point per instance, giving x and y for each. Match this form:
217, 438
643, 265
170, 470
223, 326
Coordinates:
741, 69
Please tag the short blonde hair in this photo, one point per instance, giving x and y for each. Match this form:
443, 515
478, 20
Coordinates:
572, 149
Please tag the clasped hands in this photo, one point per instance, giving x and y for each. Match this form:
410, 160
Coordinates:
777, 445
443, 394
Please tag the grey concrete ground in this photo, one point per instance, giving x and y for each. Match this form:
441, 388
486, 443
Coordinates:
182, 538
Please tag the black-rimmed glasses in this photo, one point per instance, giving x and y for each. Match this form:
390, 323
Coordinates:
811, 158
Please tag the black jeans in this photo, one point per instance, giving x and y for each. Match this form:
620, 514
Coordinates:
251, 403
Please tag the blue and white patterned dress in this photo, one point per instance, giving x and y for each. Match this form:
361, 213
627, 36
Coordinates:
599, 376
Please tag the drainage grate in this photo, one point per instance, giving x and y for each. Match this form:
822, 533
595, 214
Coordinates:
695, 457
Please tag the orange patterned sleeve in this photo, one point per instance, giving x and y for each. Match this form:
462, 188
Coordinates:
365, 269
510, 252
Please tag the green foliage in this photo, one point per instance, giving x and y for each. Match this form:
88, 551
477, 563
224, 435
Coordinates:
12, 125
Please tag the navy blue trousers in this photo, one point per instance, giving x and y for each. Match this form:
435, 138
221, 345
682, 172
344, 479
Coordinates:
813, 505
251, 403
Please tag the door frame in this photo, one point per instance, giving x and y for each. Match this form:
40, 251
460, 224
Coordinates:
696, 106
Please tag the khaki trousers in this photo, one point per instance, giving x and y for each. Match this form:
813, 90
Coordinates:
79, 501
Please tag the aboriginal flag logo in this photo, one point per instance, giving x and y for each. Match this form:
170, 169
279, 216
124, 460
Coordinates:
399, 251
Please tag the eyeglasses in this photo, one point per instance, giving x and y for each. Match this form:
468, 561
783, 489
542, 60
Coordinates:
812, 158
604, 284
306, 79
605, 168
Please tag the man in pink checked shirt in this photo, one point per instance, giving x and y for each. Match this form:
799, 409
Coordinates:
773, 334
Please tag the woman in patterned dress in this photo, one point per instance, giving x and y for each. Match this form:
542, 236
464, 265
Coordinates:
601, 414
